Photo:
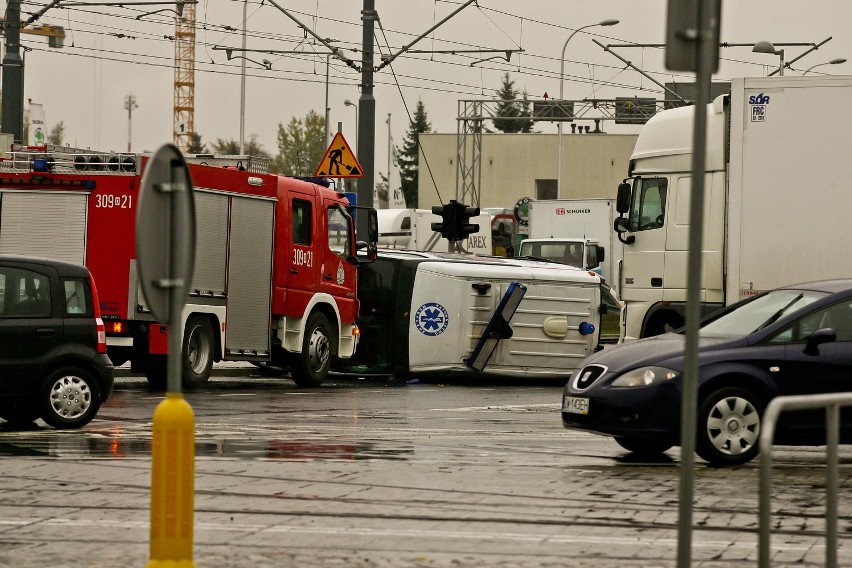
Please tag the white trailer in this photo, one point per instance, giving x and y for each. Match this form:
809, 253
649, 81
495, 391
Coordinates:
424, 313
776, 206
411, 229
572, 221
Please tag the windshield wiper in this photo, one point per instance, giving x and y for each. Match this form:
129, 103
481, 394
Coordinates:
779, 313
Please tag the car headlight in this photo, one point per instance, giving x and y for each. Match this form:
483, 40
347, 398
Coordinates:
645, 376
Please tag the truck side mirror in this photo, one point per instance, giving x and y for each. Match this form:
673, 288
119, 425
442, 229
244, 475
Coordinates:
622, 202
601, 254
620, 225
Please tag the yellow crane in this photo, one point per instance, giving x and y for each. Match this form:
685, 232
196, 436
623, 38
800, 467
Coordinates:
55, 34
184, 97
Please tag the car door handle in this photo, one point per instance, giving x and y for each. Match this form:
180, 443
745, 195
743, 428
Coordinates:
293, 271
45, 331
328, 276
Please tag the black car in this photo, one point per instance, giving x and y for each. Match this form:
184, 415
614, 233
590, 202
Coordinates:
53, 361
795, 340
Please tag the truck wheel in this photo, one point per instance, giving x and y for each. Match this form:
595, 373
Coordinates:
310, 367
198, 350
729, 427
69, 398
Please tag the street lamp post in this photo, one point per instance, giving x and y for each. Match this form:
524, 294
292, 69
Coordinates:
349, 103
767, 47
561, 83
837, 61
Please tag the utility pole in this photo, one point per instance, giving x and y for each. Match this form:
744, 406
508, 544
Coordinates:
366, 116
13, 74
130, 104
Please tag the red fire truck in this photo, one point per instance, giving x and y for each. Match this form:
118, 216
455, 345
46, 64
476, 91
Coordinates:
275, 262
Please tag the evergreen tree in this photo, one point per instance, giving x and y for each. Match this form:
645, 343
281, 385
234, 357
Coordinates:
301, 146
518, 117
410, 153
232, 148
57, 134
195, 144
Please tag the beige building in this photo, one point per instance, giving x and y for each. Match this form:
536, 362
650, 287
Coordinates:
524, 165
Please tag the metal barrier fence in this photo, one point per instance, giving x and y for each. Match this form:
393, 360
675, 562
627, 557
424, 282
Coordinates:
832, 404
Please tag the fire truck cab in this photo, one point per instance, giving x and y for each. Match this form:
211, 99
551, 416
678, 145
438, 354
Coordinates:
274, 281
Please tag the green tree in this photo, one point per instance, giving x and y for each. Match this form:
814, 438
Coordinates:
195, 144
516, 113
410, 153
57, 134
232, 148
301, 145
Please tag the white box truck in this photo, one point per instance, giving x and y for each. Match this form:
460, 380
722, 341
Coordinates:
577, 232
411, 229
424, 313
776, 208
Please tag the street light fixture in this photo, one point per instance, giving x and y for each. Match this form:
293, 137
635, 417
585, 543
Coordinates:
348, 103
837, 61
609, 22
767, 47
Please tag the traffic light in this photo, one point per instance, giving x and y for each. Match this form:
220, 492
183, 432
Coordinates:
463, 225
448, 225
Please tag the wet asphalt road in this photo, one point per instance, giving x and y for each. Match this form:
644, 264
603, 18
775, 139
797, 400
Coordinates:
385, 473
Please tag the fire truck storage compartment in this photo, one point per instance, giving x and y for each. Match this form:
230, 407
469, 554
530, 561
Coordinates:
250, 275
211, 245
50, 224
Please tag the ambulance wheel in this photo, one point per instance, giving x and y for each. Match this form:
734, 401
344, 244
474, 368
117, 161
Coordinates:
198, 351
310, 367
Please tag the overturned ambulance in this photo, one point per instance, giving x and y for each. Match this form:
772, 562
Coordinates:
444, 313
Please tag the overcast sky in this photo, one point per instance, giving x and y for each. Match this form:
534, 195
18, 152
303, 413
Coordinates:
110, 53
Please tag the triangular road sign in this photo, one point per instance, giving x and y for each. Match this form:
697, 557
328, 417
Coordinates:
339, 161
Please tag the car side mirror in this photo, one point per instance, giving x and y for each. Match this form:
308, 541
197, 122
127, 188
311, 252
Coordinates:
817, 338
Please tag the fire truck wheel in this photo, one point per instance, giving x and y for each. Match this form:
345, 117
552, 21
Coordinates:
310, 367
197, 351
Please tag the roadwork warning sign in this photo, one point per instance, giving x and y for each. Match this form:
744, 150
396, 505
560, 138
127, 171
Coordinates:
339, 161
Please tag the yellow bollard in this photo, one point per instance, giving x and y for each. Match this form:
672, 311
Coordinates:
172, 484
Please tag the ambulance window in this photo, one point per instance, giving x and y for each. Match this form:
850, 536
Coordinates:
301, 222
338, 232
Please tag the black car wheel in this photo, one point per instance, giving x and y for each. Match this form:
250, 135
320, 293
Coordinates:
643, 447
729, 426
69, 398
310, 367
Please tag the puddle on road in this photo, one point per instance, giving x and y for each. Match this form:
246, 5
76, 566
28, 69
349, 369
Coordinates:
39, 442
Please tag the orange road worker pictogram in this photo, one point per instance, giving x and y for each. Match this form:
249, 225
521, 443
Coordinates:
339, 161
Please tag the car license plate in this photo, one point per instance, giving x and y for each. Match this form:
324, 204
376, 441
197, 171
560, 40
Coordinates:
575, 405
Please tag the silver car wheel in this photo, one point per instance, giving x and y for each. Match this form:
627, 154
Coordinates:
70, 397
733, 425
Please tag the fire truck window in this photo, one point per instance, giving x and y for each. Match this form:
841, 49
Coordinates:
301, 222
338, 232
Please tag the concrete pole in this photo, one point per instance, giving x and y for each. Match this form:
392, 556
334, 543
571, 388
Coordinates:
366, 117
13, 75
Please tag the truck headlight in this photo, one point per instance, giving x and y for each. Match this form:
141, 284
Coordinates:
645, 376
